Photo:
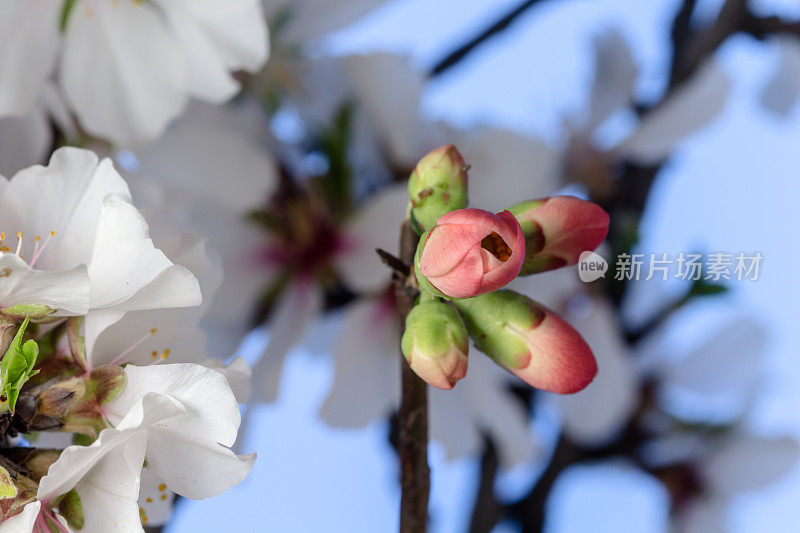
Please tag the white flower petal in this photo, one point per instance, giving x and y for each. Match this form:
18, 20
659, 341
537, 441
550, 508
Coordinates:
728, 361
506, 167
24, 141
123, 86
748, 462
24, 521
29, 39
367, 361
65, 291
376, 225
189, 450
389, 88
691, 107
313, 18
598, 412
614, 77
154, 498
218, 37
300, 303
781, 93
66, 196
109, 491
128, 271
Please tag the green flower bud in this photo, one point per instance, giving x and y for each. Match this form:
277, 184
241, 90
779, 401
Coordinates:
529, 340
437, 186
435, 344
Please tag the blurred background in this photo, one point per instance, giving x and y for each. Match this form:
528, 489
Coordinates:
719, 452
679, 117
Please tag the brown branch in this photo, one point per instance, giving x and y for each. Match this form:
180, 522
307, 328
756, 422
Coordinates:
487, 511
413, 416
497, 27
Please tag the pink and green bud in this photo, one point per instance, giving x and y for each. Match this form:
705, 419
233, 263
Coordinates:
557, 230
437, 186
529, 340
471, 252
435, 344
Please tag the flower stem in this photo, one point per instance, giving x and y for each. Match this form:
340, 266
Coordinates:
413, 416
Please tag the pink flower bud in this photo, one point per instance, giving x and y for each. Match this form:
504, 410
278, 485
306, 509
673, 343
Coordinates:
558, 229
529, 340
435, 344
471, 252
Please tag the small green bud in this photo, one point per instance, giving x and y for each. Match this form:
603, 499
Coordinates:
437, 186
435, 344
528, 340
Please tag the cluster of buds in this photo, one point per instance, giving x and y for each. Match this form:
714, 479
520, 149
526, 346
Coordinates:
465, 257
45, 387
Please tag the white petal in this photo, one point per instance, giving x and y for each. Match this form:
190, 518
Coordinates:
729, 361
218, 38
691, 107
65, 197
24, 141
614, 77
484, 396
128, 271
193, 467
597, 413
314, 18
202, 148
24, 521
155, 498
123, 86
703, 515
506, 167
189, 449
211, 408
291, 316
29, 40
66, 291
389, 88
367, 359
747, 462
781, 93
110, 490
376, 225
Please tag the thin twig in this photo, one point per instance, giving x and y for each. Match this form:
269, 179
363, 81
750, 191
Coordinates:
497, 27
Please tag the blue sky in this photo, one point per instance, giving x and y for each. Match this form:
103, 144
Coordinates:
730, 187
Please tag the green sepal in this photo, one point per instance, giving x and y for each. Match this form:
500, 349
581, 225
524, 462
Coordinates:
7, 487
17, 366
497, 323
28, 310
71, 509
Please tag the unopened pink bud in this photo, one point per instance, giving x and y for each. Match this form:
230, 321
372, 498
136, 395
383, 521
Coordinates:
529, 340
471, 252
435, 344
558, 229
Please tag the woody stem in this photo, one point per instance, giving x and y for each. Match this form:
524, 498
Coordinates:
413, 416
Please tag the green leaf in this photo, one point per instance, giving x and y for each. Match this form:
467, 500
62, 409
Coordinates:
71, 509
702, 287
17, 366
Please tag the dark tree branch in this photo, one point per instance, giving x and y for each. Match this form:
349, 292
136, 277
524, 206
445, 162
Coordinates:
413, 415
487, 511
464, 50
